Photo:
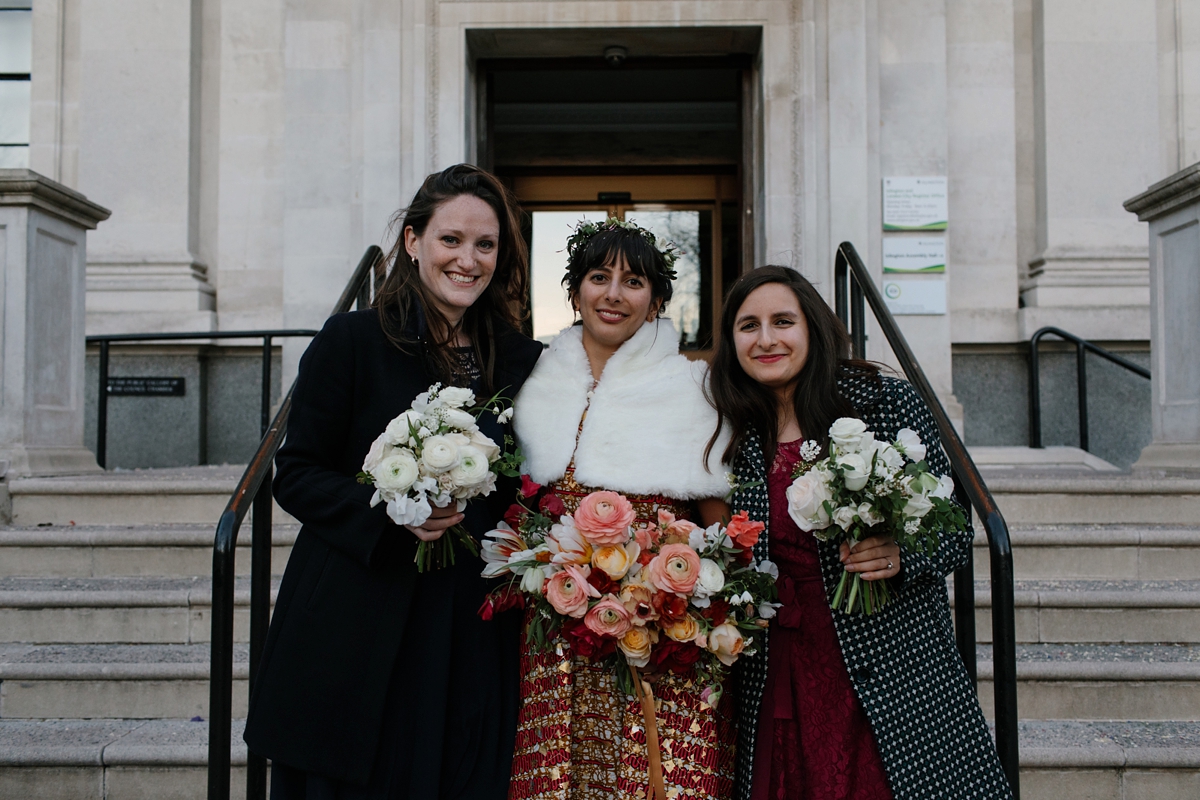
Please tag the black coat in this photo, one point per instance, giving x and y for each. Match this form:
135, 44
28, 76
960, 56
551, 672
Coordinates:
356, 630
903, 661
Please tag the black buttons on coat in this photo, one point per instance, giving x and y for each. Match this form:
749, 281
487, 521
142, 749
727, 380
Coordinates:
862, 674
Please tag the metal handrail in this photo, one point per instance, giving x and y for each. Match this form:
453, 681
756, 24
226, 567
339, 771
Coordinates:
105, 340
850, 273
254, 490
1082, 346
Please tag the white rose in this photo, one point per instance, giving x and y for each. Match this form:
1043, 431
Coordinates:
472, 467
712, 579
854, 471
806, 498
484, 443
844, 517
917, 506
847, 433
440, 454
398, 432
457, 396
378, 451
945, 488
867, 514
397, 473
910, 444
405, 510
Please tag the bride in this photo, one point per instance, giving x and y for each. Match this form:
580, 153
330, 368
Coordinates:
613, 405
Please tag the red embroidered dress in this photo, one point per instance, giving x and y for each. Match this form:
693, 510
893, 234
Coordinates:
814, 740
580, 738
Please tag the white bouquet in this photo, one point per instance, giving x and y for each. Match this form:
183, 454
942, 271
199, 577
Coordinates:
867, 488
433, 455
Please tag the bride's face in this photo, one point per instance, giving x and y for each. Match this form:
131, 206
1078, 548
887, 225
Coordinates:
614, 303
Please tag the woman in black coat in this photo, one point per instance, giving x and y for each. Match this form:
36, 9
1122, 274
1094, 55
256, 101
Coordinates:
839, 706
378, 681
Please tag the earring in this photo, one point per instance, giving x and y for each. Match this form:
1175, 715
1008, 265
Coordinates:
416, 264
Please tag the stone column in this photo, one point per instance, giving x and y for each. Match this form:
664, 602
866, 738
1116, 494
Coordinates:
1172, 207
43, 231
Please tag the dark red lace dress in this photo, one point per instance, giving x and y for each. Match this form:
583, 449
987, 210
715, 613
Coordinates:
814, 741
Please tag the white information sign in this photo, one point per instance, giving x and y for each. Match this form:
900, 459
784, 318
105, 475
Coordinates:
914, 296
915, 204
914, 254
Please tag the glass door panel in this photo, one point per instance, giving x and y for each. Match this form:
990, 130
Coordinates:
550, 309
691, 231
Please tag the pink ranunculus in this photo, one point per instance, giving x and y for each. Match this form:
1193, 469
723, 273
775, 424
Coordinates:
608, 618
604, 518
568, 592
675, 569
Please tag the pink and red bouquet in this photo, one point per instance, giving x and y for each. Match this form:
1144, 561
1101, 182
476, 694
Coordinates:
669, 595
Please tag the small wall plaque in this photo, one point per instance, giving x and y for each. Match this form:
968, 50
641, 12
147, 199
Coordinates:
147, 387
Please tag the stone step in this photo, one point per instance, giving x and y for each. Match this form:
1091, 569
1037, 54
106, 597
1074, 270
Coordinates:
104, 551
1048, 498
114, 610
1133, 682
1099, 612
112, 681
1099, 552
196, 495
126, 759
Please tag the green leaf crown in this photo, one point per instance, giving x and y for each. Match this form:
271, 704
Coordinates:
586, 229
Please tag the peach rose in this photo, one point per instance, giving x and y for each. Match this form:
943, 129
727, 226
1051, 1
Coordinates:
674, 531
615, 559
726, 643
604, 518
636, 644
675, 569
568, 592
684, 629
608, 618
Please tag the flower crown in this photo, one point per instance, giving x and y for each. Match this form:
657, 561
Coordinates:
586, 229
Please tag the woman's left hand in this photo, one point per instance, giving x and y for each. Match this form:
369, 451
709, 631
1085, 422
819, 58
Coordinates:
874, 559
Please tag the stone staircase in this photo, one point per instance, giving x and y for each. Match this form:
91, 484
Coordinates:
104, 621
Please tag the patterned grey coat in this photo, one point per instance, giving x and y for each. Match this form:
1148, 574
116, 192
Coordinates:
902, 661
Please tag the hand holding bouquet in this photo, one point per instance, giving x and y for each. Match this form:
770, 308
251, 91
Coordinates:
434, 453
868, 488
669, 594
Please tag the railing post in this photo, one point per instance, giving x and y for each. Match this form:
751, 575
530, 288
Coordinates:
260, 616
1081, 381
220, 687
102, 408
1035, 396
1004, 655
265, 417
964, 595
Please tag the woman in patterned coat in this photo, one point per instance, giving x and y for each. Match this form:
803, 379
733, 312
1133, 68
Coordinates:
839, 706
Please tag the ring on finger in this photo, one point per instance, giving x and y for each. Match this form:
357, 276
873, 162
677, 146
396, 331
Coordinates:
890, 565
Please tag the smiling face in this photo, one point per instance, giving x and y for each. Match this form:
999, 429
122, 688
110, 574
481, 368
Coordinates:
614, 303
770, 335
456, 255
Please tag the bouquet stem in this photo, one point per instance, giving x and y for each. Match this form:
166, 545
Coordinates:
439, 553
867, 597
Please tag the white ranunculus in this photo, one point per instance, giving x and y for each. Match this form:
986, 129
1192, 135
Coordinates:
406, 510
866, 513
712, 579
855, 470
472, 467
398, 472
440, 454
945, 488
917, 506
398, 431
844, 517
847, 433
806, 498
457, 396
910, 443
379, 450
484, 443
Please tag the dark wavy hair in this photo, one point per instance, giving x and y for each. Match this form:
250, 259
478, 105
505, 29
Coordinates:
502, 303
605, 248
748, 406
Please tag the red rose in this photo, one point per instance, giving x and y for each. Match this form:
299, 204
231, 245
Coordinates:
528, 487
515, 514
552, 505
670, 607
586, 642
671, 656
744, 557
604, 584
717, 612
503, 599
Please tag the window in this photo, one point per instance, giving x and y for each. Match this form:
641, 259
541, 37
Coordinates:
16, 48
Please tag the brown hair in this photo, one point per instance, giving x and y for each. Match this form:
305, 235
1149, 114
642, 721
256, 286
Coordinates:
747, 406
502, 303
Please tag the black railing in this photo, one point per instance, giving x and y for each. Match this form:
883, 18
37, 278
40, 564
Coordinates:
105, 340
1082, 347
853, 285
254, 490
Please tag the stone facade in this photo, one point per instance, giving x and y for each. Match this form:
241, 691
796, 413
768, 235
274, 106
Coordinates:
251, 149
